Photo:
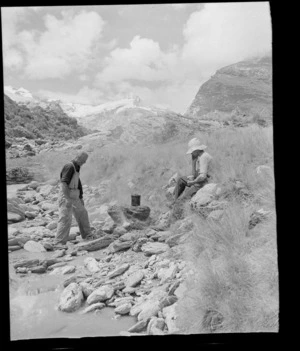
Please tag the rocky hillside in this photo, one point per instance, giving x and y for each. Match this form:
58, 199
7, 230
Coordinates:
129, 121
246, 86
38, 122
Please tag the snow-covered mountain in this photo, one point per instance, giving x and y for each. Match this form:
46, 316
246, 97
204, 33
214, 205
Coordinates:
127, 119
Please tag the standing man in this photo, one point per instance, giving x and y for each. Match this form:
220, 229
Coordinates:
71, 201
186, 187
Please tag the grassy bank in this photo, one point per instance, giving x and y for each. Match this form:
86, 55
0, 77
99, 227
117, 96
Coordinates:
235, 284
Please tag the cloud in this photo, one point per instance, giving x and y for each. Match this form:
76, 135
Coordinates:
215, 35
65, 47
223, 34
85, 95
143, 60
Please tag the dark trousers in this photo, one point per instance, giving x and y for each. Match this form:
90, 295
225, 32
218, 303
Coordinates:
188, 192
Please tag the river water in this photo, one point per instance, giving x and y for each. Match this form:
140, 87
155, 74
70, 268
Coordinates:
34, 299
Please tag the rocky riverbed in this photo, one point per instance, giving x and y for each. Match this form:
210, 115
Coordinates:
126, 281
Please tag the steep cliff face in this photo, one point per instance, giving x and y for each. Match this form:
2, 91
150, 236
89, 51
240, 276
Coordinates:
246, 85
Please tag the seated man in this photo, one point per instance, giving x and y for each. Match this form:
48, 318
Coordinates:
186, 187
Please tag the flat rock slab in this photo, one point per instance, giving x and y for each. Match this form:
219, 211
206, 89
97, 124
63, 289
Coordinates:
154, 248
120, 245
33, 246
27, 263
94, 245
119, 270
94, 307
120, 213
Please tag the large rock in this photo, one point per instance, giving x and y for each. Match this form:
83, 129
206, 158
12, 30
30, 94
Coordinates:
91, 264
46, 190
165, 274
154, 325
134, 279
203, 196
170, 316
33, 246
154, 248
96, 244
14, 211
103, 293
26, 263
119, 245
119, 270
47, 206
122, 213
150, 309
71, 298
94, 307
123, 309
139, 326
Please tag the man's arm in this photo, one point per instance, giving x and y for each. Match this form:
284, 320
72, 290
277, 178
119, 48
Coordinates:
204, 161
65, 189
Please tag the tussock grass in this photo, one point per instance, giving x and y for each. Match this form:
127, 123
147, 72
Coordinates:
236, 271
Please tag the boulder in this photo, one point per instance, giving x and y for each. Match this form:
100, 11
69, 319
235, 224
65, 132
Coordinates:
33, 185
149, 309
134, 279
87, 289
137, 246
154, 248
119, 245
68, 281
155, 323
165, 274
96, 244
103, 293
120, 214
52, 225
174, 240
137, 212
203, 196
14, 217
38, 269
123, 309
33, 246
30, 215
119, 270
94, 307
91, 264
45, 190
27, 263
71, 298
170, 315
109, 226
139, 326
46, 206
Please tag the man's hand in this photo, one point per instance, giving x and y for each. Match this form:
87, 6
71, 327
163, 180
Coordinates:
190, 183
190, 177
81, 200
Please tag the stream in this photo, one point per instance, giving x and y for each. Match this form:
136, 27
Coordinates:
34, 299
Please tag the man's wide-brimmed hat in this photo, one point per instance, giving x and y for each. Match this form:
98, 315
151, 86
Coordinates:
194, 145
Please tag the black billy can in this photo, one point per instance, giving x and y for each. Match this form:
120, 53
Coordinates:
135, 200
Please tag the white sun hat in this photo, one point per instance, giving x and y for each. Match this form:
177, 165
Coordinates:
195, 144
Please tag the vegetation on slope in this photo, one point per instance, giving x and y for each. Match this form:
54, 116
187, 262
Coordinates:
235, 284
37, 122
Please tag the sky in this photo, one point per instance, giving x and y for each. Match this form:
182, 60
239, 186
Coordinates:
162, 53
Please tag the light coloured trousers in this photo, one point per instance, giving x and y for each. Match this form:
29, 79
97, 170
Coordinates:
66, 209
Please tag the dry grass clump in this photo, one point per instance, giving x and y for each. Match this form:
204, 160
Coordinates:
235, 287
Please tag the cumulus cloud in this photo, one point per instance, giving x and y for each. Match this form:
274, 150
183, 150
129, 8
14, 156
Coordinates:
215, 35
223, 34
65, 46
85, 95
143, 60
